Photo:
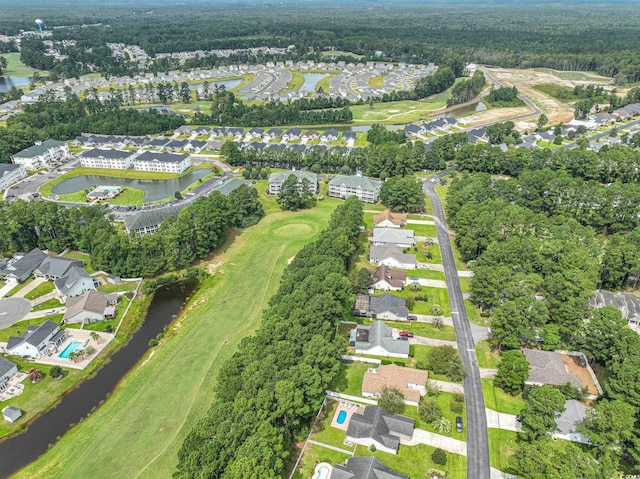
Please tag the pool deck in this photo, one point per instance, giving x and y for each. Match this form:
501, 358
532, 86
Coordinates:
347, 407
78, 335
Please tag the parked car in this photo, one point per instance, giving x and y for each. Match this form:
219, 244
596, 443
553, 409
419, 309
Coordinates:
403, 338
412, 317
406, 334
459, 427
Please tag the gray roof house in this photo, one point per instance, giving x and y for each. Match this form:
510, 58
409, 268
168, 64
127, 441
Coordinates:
402, 238
392, 256
37, 341
277, 179
75, 282
148, 222
90, 307
55, 267
366, 189
365, 468
22, 268
575, 413
377, 339
375, 426
388, 306
7, 371
547, 367
11, 413
628, 304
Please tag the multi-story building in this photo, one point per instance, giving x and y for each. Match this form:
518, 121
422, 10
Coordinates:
276, 180
10, 174
41, 154
113, 159
366, 189
162, 162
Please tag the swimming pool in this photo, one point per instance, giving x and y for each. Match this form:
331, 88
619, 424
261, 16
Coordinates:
323, 471
71, 347
342, 417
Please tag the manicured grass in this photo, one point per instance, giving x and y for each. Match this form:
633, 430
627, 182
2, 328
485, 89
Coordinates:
324, 433
559, 92
498, 400
420, 354
314, 455
48, 304
118, 288
438, 296
423, 230
349, 379
16, 68
84, 257
446, 333
421, 253
19, 287
376, 81
20, 327
396, 112
296, 82
473, 314
502, 444
129, 197
465, 284
444, 400
426, 274
487, 358
40, 290
161, 399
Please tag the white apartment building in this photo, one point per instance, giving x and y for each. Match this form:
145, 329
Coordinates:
113, 159
41, 154
10, 174
162, 162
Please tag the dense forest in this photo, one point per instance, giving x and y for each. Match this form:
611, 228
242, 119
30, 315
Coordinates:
268, 393
179, 241
600, 36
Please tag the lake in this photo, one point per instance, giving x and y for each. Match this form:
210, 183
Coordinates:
310, 81
7, 82
18, 451
154, 190
464, 109
228, 84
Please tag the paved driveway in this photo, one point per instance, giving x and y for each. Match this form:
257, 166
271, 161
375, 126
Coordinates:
420, 436
13, 310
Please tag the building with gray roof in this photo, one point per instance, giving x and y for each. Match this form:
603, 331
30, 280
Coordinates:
37, 341
7, 371
55, 267
112, 159
10, 174
277, 179
574, 414
41, 154
388, 306
375, 426
22, 268
11, 413
162, 162
392, 256
90, 307
75, 282
365, 468
377, 339
402, 238
628, 304
547, 367
148, 222
366, 189
227, 186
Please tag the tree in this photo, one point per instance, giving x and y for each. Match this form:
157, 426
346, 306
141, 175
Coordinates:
3, 65
513, 371
95, 336
542, 121
558, 140
438, 322
438, 456
178, 195
609, 424
35, 375
435, 309
446, 360
543, 404
185, 92
392, 400
415, 287
403, 194
429, 409
363, 281
55, 372
289, 196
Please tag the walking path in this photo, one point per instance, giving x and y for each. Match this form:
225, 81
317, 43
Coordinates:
421, 222
333, 448
433, 283
487, 373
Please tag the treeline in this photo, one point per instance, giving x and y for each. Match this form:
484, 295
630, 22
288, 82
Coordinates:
64, 120
378, 134
467, 90
504, 97
179, 241
268, 393
378, 161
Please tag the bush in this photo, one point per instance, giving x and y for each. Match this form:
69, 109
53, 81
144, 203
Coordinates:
153, 342
372, 448
55, 372
456, 407
392, 400
429, 410
439, 457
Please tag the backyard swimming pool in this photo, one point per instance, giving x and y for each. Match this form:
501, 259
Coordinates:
342, 417
71, 347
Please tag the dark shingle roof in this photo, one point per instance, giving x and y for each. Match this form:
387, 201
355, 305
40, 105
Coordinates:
146, 219
100, 153
73, 276
365, 468
56, 266
376, 423
387, 302
5, 366
27, 263
163, 157
34, 335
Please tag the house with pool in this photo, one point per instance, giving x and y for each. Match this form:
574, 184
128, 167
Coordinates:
365, 468
37, 341
377, 427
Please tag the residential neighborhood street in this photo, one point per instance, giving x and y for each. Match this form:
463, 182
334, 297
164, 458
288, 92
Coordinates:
478, 466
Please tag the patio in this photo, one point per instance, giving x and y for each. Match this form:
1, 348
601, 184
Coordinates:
343, 414
14, 387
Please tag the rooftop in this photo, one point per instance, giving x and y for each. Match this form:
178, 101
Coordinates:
39, 149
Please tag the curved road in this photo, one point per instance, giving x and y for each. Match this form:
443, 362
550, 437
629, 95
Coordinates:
478, 466
530, 104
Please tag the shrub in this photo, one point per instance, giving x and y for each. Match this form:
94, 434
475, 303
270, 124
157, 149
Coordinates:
456, 407
439, 457
55, 372
372, 448
153, 342
429, 410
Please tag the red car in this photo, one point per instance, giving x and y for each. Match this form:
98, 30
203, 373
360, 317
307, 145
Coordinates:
405, 334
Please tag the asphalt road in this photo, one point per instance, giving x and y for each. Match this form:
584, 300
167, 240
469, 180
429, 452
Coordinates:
530, 104
13, 310
478, 466
599, 135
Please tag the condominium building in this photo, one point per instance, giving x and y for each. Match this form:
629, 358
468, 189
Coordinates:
41, 154
366, 189
113, 159
162, 162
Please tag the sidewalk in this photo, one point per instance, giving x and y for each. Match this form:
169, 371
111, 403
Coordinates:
8, 287
43, 313
425, 318
433, 283
447, 387
499, 420
45, 298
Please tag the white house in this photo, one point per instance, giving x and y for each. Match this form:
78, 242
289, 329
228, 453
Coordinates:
388, 306
37, 341
392, 256
10, 174
410, 382
376, 427
277, 179
387, 219
112, 159
386, 279
41, 154
377, 340
75, 282
162, 162
90, 307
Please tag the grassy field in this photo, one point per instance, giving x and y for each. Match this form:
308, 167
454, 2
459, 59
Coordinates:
48, 304
15, 68
20, 327
426, 274
558, 92
313, 455
573, 76
498, 400
180, 372
394, 112
40, 290
84, 257
486, 357
376, 81
423, 230
349, 378
19, 286
501, 447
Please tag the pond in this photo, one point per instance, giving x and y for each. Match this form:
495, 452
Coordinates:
154, 190
18, 451
228, 84
7, 82
464, 109
310, 81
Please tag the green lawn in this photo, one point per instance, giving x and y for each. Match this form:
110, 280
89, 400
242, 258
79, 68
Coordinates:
474, 314
427, 330
129, 197
444, 400
18, 69
179, 373
486, 357
84, 257
102, 326
502, 444
423, 230
377, 81
313, 455
48, 304
118, 288
349, 379
438, 296
498, 400
395, 112
426, 274
421, 253
20, 327
324, 433
465, 284
19, 286
40, 290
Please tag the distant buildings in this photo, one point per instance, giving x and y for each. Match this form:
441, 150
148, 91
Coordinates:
366, 189
10, 174
277, 179
41, 155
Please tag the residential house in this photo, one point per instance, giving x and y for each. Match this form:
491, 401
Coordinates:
255, 133
37, 341
310, 135
389, 236
195, 146
10, 174
377, 339
387, 219
386, 279
349, 137
7, 371
547, 367
628, 304
330, 135
41, 155
162, 162
90, 307
273, 134
388, 306
376, 427
11, 413
75, 282
366, 189
574, 414
365, 467
24, 265
277, 179
148, 222
55, 267
392, 256
410, 382
298, 148
292, 134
